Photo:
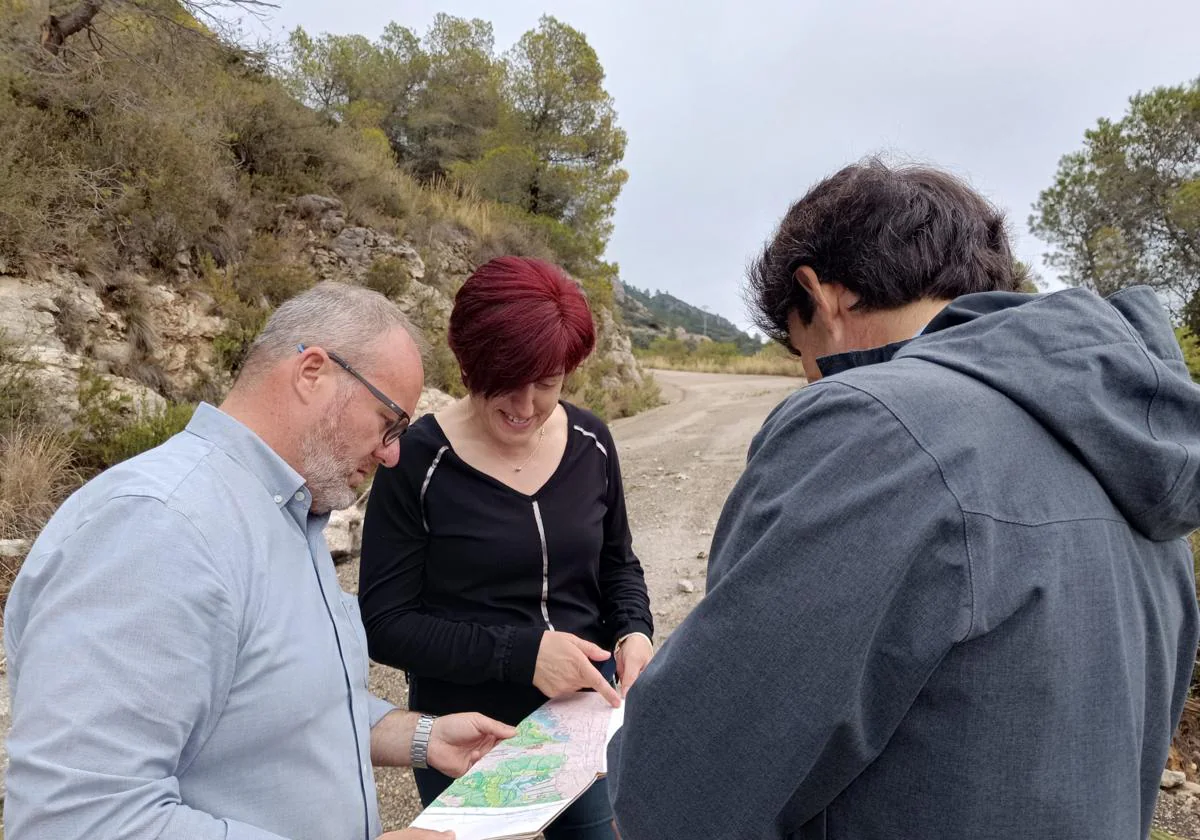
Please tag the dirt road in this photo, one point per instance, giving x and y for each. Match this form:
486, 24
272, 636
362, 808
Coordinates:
679, 462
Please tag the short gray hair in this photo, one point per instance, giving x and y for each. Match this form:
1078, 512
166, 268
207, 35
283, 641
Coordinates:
336, 316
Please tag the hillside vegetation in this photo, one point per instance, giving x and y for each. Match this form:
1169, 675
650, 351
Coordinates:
156, 171
661, 314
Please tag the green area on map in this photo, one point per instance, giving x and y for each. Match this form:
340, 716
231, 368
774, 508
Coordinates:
523, 780
536, 730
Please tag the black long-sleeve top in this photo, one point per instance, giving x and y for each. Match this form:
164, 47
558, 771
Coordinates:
461, 574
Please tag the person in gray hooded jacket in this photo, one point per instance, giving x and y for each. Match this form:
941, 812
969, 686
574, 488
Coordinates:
950, 597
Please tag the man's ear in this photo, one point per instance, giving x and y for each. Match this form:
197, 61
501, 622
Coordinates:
829, 301
306, 372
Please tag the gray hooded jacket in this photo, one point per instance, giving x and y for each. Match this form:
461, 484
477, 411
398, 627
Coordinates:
949, 598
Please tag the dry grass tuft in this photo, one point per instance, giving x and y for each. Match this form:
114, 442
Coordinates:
36, 473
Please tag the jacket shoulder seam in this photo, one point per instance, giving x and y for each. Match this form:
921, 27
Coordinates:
966, 537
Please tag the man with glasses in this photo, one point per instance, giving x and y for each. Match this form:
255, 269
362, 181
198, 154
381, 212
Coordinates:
183, 663
399, 425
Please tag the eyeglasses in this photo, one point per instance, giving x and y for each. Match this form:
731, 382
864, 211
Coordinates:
398, 426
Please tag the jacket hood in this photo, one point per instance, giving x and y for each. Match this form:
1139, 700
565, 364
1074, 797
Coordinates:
1104, 376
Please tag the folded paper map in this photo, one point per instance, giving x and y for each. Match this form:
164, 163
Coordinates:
519, 787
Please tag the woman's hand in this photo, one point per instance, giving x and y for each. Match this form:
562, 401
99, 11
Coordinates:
458, 741
633, 654
564, 665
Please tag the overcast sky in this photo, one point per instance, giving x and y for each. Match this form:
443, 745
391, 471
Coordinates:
734, 109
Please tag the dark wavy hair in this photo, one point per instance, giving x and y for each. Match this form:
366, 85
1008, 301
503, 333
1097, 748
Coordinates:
892, 235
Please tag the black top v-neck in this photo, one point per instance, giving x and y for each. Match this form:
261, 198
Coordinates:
461, 573
440, 435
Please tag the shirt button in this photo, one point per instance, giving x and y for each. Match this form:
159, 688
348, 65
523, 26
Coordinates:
278, 499
299, 497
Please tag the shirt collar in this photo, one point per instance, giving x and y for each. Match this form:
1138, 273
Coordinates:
250, 451
840, 362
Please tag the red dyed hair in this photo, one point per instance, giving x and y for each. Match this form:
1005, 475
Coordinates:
517, 320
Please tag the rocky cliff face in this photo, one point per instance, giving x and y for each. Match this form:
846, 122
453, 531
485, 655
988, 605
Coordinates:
148, 340
152, 340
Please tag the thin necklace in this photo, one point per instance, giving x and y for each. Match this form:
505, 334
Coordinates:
541, 434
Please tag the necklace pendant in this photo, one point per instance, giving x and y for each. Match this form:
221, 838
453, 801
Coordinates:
537, 446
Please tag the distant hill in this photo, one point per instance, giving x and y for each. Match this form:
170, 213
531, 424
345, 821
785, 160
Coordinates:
649, 316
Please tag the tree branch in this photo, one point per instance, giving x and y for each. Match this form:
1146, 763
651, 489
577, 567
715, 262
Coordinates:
56, 30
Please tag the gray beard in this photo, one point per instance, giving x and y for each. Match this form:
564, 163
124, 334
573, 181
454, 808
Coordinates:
327, 468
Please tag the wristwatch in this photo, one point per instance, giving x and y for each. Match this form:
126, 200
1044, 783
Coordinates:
420, 741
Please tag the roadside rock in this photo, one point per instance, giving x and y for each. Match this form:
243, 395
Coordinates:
14, 549
343, 534
614, 347
432, 401
1172, 779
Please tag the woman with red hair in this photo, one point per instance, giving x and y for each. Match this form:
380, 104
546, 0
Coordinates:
497, 563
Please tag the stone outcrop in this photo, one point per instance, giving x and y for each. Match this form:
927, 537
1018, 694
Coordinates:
61, 327
615, 351
353, 251
449, 261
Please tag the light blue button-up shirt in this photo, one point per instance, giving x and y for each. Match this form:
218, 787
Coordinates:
183, 663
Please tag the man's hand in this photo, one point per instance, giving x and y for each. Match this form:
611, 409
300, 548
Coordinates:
458, 741
564, 665
632, 658
417, 834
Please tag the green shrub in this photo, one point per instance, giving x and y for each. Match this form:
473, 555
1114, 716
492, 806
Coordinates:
389, 276
243, 320
717, 357
442, 371
22, 401
146, 432
599, 292
102, 413
585, 387
269, 273
108, 430
632, 398
506, 231
1190, 344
